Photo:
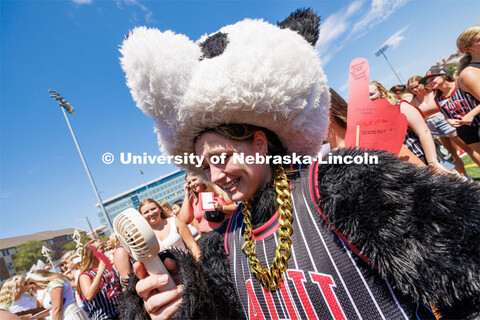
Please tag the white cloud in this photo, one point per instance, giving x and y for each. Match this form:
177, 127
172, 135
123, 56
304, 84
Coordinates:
83, 1
148, 13
379, 11
396, 38
334, 25
344, 87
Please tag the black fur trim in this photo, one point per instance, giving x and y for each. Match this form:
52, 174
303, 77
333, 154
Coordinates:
305, 22
217, 273
422, 231
262, 208
130, 304
214, 45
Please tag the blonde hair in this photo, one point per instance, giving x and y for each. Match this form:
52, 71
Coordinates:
89, 261
464, 41
165, 205
113, 237
208, 187
42, 278
10, 289
68, 256
384, 93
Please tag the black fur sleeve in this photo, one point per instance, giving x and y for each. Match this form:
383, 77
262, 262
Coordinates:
217, 273
422, 231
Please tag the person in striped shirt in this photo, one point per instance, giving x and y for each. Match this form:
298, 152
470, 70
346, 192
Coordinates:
461, 109
98, 287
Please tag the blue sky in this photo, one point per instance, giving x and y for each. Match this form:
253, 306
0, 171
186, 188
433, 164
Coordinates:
72, 47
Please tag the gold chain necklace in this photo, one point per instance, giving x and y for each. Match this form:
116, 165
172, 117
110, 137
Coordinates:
270, 278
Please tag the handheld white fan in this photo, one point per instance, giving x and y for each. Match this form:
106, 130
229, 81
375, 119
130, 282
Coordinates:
140, 241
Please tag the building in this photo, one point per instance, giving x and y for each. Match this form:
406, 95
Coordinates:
54, 240
167, 188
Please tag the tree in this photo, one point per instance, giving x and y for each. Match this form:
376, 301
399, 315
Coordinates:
28, 255
452, 68
72, 245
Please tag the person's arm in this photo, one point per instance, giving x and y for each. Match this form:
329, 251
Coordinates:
419, 126
56, 297
186, 211
187, 237
469, 81
89, 287
469, 117
419, 230
406, 155
5, 315
121, 260
229, 207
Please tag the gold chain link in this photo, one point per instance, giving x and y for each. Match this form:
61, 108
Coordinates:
270, 278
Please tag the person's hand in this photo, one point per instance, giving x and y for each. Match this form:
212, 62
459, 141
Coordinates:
159, 303
437, 167
186, 190
217, 206
467, 119
455, 122
101, 267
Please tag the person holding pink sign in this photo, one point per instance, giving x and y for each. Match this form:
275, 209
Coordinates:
206, 203
98, 284
338, 128
418, 139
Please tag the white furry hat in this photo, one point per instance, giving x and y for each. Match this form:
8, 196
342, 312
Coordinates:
251, 72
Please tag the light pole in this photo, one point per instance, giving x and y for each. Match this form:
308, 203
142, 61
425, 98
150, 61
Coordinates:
381, 51
66, 106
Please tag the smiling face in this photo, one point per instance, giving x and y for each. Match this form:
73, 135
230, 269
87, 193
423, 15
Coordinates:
240, 181
435, 82
194, 183
152, 213
175, 209
416, 88
374, 92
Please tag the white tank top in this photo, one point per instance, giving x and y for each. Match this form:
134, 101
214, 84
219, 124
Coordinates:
174, 239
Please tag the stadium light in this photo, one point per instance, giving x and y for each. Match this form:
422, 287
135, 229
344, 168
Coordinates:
67, 106
381, 51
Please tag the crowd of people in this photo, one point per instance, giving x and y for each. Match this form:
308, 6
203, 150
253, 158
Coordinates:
391, 243
87, 286
444, 106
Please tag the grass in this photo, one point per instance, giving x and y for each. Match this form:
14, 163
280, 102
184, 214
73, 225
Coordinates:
472, 169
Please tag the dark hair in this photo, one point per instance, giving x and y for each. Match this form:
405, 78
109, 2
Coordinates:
179, 202
399, 87
338, 108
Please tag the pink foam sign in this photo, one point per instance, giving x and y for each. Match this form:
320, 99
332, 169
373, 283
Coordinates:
101, 257
371, 124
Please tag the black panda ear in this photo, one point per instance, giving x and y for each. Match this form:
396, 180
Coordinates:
214, 45
305, 22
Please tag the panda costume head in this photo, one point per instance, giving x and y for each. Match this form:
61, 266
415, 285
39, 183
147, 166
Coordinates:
251, 72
